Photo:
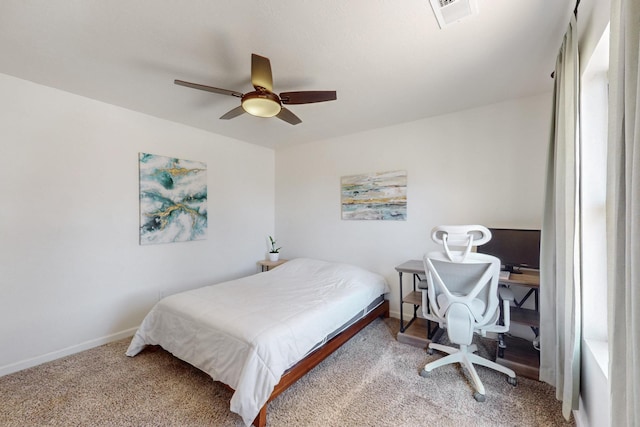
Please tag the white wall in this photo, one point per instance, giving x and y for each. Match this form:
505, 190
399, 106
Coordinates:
72, 274
484, 166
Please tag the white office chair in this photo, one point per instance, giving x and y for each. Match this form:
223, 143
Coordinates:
462, 296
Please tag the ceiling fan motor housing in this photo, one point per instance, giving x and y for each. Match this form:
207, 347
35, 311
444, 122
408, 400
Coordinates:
261, 103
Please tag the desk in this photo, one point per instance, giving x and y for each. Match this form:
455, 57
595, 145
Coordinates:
416, 268
417, 331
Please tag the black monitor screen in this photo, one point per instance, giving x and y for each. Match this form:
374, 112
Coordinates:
514, 247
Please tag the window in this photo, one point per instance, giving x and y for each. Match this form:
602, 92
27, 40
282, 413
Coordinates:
593, 131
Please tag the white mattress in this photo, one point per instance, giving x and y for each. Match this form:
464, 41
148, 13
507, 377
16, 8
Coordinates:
247, 332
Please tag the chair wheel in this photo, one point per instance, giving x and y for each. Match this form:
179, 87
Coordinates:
479, 397
425, 374
513, 381
429, 351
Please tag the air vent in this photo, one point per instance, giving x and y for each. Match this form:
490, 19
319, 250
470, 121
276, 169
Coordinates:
451, 11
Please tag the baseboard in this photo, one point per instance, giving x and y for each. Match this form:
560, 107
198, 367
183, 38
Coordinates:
408, 314
48, 357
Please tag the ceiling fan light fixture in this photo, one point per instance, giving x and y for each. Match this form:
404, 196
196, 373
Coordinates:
261, 104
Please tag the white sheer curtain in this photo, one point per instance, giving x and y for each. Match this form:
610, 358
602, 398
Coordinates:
560, 325
623, 213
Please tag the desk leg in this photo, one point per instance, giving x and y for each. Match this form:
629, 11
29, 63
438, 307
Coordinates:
405, 326
401, 304
431, 330
501, 344
536, 301
415, 308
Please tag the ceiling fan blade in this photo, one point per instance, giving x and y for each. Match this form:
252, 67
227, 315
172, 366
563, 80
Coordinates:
288, 116
308, 96
261, 72
233, 113
208, 88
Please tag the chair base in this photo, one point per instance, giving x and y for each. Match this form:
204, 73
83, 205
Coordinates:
466, 357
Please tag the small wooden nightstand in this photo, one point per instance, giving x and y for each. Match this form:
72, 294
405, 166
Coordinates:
265, 264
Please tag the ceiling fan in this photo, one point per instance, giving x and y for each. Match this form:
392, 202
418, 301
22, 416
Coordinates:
262, 102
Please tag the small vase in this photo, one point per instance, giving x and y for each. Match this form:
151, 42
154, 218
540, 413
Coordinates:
273, 256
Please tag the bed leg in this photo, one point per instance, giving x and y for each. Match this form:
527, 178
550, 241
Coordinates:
261, 419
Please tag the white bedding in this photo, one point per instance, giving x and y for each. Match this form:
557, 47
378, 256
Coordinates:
247, 332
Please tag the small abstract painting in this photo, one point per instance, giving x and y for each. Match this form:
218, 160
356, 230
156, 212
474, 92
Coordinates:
377, 196
173, 200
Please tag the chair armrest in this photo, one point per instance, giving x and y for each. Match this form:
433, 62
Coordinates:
506, 294
426, 308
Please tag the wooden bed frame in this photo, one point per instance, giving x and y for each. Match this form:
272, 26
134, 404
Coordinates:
313, 359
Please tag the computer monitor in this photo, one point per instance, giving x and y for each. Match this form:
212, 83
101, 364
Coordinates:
515, 247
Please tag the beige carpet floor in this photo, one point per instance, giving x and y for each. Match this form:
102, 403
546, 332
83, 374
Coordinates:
372, 380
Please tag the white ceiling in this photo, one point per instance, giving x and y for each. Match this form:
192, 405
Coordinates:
387, 59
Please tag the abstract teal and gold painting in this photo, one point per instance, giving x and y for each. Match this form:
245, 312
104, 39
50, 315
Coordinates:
375, 196
173, 200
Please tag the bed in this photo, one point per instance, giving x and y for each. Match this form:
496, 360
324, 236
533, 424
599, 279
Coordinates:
259, 334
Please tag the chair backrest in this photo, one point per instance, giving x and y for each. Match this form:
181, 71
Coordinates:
461, 236
455, 275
